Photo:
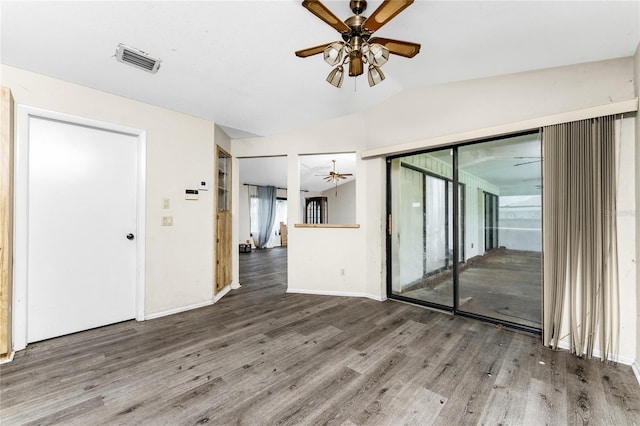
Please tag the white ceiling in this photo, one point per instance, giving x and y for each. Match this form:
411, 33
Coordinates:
312, 169
232, 62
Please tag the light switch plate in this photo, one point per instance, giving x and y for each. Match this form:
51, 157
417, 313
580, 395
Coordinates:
167, 220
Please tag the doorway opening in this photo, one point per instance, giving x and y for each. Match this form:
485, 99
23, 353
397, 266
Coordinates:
480, 256
263, 224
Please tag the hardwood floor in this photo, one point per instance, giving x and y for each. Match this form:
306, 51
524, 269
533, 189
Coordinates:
261, 356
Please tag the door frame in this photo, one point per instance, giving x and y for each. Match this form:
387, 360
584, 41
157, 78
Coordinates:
21, 209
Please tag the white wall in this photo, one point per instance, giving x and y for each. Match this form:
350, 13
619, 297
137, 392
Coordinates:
180, 153
342, 203
626, 223
476, 104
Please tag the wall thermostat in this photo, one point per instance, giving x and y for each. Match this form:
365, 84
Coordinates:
191, 194
203, 186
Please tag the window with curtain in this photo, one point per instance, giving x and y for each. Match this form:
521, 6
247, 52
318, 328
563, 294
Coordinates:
263, 211
580, 246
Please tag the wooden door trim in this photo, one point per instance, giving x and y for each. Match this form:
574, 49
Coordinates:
6, 222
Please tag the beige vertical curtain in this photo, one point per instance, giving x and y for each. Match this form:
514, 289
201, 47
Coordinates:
580, 256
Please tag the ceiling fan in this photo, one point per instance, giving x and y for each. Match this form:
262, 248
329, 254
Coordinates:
358, 47
334, 176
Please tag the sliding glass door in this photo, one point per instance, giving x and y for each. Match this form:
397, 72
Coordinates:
497, 273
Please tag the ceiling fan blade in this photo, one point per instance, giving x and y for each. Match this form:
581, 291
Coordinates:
346, 174
384, 13
311, 51
355, 66
398, 47
322, 12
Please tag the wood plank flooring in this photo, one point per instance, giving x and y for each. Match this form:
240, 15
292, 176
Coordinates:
261, 356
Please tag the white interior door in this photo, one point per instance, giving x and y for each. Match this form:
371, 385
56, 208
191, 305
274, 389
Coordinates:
81, 268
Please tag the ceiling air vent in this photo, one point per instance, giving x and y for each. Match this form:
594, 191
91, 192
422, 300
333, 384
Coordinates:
137, 58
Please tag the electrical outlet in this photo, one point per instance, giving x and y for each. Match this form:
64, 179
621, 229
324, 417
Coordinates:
166, 203
167, 220
342, 272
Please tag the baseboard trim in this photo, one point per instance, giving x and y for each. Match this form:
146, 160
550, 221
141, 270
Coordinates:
636, 370
336, 293
597, 354
189, 307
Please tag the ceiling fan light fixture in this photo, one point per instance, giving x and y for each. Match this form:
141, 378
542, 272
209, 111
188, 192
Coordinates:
375, 75
336, 76
333, 53
358, 47
378, 55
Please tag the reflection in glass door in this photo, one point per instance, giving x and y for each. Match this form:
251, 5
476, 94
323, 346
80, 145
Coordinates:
498, 272
490, 221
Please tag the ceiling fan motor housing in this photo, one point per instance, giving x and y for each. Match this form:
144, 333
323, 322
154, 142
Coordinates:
356, 39
355, 23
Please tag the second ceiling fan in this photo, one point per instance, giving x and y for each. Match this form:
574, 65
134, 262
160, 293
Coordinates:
358, 46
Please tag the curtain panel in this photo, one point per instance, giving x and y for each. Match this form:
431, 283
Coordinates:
265, 214
580, 281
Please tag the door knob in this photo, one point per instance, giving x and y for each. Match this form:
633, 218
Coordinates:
130, 236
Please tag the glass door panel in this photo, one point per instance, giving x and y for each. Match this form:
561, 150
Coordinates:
421, 235
503, 281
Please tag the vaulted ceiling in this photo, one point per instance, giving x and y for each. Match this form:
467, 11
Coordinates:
232, 62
